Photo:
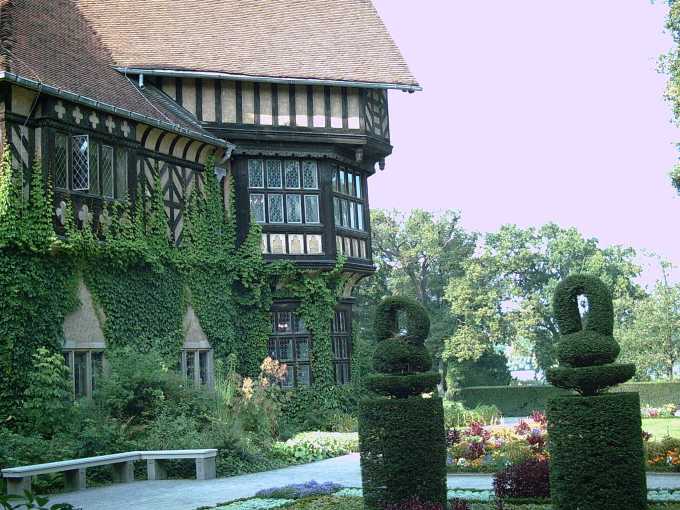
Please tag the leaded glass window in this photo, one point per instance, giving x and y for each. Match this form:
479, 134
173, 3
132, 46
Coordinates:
342, 346
310, 175
360, 217
292, 174
357, 186
61, 161
311, 209
348, 205
81, 162
274, 173
289, 343
121, 173
352, 214
255, 173
337, 212
106, 168
275, 208
94, 167
257, 207
294, 208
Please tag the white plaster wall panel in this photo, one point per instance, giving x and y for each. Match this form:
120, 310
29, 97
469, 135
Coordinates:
38, 143
319, 102
296, 244
301, 105
152, 139
228, 101
284, 105
169, 86
248, 103
193, 149
353, 108
83, 326
208, 104
165, 144
22, 100
266, 118
189, 94
180, 146
141, 129
336, 107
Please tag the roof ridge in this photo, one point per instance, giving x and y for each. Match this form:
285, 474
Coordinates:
7, 38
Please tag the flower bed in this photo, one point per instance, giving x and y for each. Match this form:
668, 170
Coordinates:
488, 449
665, 411
329, 497
312, 446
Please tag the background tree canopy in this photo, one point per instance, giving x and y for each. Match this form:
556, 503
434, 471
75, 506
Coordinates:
490, 294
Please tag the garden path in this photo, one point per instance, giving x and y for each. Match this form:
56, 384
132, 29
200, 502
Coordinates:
190, 494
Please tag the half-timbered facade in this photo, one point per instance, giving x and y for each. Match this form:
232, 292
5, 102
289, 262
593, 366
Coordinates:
290, 98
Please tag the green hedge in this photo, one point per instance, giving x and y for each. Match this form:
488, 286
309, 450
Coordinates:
596, 452
521, 400
403, 450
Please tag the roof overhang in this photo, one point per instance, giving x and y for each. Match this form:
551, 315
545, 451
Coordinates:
99, 105
178, 73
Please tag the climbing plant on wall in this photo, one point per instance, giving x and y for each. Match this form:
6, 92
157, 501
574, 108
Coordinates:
37, 288
141, 282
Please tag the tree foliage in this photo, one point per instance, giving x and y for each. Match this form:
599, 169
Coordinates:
670, 65
650, 337
504, 296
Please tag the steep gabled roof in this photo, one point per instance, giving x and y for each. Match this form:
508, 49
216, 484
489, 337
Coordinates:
50, 42
338, 40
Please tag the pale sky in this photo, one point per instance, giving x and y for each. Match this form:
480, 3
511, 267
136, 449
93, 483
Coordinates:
535, 111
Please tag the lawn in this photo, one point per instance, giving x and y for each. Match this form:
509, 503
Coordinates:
661, 427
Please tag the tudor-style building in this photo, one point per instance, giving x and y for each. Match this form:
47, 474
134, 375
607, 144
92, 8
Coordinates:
290, 97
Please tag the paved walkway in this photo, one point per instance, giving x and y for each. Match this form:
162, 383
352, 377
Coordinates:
190, 494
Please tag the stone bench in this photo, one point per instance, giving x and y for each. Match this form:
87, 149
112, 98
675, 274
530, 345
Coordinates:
19, 478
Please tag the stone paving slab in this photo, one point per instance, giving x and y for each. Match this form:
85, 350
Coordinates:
190, 494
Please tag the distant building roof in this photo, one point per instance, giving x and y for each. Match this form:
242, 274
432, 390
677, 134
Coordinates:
338, 40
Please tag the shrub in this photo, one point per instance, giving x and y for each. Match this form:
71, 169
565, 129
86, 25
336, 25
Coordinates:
312, 446
587, 351
489, 370
47, 399
414, 504
392, 472
456, 415
529, 479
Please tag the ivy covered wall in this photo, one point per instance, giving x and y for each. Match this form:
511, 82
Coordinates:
142, 283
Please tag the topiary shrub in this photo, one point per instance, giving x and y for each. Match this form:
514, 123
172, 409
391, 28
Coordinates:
401, 434
595, 438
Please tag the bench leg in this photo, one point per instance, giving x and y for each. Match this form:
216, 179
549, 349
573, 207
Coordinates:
155, 470
124, 472
75, 479
205, 468
17, 486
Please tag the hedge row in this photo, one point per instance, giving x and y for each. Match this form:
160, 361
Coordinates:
521, 400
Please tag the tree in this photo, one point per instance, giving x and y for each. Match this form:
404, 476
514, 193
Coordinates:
670, 65
416, 255
651, 336
503, 298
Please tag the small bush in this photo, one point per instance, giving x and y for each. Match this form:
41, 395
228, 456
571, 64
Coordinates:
529, 479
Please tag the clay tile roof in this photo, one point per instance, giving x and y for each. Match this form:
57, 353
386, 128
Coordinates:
296, 39
51, 42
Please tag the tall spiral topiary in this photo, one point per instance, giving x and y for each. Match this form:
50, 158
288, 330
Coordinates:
596, 451
401, 434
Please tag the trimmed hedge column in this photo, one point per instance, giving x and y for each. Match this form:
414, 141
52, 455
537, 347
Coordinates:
401, 434
595, 438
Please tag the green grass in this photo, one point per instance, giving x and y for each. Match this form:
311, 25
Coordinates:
661, 427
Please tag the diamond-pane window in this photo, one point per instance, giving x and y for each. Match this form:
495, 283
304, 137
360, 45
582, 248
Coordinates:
275, 208
294, 208
94, 168
106, 168
274, 173
61, 161
255, 173
292, 174
81, 162
310, 178
257, 207
311, 209
121, 173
